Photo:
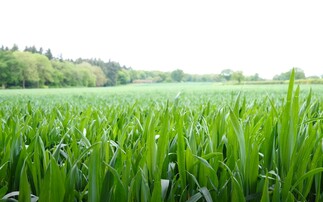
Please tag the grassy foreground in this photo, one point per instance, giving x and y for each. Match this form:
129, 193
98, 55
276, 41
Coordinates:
152, 143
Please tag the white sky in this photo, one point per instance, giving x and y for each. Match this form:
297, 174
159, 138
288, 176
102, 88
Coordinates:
255, 36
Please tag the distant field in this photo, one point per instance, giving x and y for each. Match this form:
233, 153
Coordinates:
162, 142
164, 90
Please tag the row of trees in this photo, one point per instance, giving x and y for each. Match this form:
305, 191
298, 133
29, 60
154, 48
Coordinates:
38, 68
35, 68
299, 74
26, 69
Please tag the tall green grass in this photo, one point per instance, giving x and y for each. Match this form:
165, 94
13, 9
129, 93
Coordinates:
154, 146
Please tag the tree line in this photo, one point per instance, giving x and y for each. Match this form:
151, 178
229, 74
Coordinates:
38, 68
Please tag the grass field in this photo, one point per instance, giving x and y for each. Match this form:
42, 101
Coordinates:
162, 142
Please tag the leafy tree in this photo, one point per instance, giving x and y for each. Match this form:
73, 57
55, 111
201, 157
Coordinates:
49, 54
27, 63
142, 75
177, 75
217, 78
85, 77
123, 77
227, 74
163, 76
58, 74
254, 77
92, 75
238, 76
111, 70
9, 71
14, 48
299, 74
58, 78
133, 75
4, 69
69, 75
31, 49
44, 69
100, 79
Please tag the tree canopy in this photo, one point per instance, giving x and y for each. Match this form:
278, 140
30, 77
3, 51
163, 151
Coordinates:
299, 74
34, 68
177, 75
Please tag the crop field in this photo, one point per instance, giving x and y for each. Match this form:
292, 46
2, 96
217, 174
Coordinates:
162, 142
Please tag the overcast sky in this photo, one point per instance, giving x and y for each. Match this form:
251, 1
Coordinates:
265, 37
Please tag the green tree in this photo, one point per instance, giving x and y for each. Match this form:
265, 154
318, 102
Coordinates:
133, 75
70, 77
177, 75
254, 77
299, 74
14, 48
85, 77
31, 49
226, 74
27, 63
238, 76
142, 75
100, 79
40, 50
163, 76
44, 69
58, 74
123, 77
111, 70
91, 75
49, 54
9, 69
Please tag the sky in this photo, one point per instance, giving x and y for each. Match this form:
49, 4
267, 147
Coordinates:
253, 36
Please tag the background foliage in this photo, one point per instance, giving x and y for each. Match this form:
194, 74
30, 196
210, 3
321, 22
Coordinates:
36, 68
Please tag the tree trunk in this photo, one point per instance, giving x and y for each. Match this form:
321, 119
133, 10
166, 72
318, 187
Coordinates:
3, 86
23, 83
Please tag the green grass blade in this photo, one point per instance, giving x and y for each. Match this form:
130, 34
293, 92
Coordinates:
53, 188
24, 187
306, 175
196, 197
265, 192
181, 154
240, 137
206, 194
95, 175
